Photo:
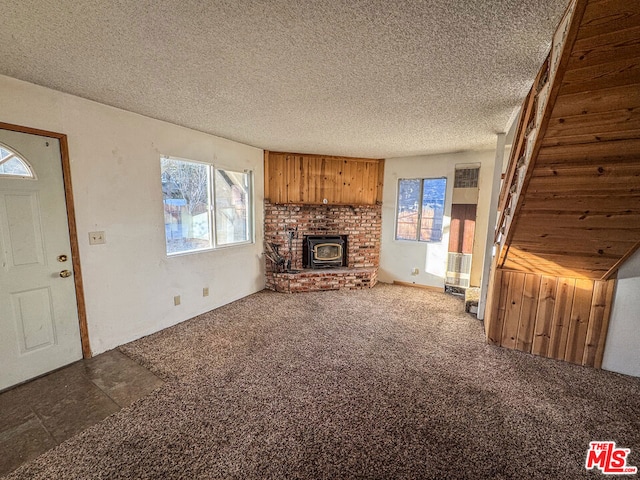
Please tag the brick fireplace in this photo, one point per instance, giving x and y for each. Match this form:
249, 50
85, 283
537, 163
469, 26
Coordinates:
287, 225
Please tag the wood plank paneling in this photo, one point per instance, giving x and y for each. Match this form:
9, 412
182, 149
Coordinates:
603, 16
561, 318
579, 321
316, 166
571, 234
598, 323
267, 185
589, 248
556, 317
310, 179
498, 306
277, 178
615, 184
380, 182
597, 124
591, 152
347, 179
592, 202
559, 59
528, 312
592, 171
558, 264
620, 72
588, 220
621, 43
360, 174
590, 138
544, 315
294, 189
495, 277
601, 101
576, 213
513, 306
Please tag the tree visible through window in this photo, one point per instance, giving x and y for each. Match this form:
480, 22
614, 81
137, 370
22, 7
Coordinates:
420, 209
191, 191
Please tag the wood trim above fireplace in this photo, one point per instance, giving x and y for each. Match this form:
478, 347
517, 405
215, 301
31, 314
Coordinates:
322, 179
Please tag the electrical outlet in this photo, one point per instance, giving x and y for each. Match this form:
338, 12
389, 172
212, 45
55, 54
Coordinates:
97, 238
205, 292
176, 300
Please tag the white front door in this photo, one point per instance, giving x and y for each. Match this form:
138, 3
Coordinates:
39, 329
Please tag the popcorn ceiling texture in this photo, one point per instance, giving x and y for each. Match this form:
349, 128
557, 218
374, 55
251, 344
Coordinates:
368, 78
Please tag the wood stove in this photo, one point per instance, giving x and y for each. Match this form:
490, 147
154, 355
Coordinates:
324, 251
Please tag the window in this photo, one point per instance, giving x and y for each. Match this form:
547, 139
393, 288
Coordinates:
204, 207
232, 191
12, 165
420, 209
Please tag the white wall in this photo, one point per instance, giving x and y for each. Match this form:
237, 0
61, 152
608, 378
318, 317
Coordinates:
397, 257
622, 350
115, 166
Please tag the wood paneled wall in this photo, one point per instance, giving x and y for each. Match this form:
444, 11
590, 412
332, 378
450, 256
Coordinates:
555, 317
570, 204
310, 179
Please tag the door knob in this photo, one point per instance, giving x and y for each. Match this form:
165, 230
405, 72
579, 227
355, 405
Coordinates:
65, 273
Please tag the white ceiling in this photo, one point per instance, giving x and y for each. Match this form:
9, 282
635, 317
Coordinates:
371, 78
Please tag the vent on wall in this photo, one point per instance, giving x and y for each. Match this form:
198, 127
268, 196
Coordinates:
466, 178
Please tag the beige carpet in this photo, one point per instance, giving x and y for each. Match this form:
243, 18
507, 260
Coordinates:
392, 382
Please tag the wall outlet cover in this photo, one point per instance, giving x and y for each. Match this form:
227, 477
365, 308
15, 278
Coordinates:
97, 238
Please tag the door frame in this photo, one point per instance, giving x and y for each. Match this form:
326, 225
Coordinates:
71, 221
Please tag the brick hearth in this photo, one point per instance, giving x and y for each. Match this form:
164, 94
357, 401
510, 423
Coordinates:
361, 224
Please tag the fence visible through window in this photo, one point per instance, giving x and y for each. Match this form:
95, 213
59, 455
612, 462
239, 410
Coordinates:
420, 211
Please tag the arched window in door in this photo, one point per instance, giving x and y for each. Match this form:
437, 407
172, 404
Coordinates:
13, 165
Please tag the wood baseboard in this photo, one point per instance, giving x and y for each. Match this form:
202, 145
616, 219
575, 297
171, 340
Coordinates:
416, 285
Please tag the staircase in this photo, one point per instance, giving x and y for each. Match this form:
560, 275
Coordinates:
569, 209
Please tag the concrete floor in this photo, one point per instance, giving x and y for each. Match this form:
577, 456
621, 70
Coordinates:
44, 412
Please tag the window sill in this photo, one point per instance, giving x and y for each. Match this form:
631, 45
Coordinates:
209, 250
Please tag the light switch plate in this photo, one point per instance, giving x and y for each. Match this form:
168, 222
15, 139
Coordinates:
97, 238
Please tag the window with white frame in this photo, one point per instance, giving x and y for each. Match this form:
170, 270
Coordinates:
420, 210
232, 191
204, 207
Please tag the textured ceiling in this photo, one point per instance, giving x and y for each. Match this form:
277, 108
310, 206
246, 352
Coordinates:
371, 78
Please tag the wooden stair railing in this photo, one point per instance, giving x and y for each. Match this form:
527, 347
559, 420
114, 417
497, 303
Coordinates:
534, 118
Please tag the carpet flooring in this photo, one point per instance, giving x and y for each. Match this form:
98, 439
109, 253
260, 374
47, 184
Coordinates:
392, 382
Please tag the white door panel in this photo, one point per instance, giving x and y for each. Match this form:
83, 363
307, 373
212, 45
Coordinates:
21, 215
39, 329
